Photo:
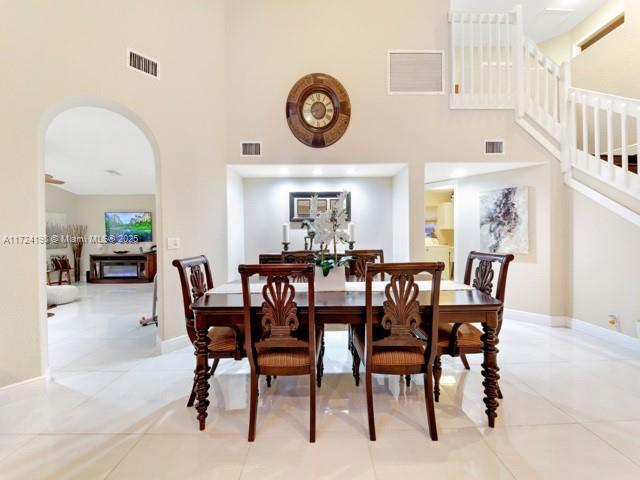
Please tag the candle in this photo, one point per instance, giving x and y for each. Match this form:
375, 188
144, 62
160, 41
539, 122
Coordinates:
352, 232
285, 233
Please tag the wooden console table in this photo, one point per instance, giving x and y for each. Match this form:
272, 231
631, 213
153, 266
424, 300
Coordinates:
122, 267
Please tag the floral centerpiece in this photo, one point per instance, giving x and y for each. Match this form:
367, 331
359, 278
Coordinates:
331, 228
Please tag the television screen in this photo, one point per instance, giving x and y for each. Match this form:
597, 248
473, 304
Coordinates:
128, 227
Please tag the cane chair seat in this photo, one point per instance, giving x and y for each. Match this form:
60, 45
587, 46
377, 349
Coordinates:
223, 339
389, 356
284, 357
467, 337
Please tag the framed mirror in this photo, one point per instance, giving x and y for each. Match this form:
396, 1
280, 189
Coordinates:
300, 204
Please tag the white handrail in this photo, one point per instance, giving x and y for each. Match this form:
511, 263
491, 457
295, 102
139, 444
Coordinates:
494, 66
585, 142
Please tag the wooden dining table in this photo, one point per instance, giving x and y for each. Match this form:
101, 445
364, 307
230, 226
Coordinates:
224, 307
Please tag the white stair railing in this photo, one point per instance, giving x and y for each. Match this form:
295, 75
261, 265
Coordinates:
493, 66
482, 68
603, 138
543, 90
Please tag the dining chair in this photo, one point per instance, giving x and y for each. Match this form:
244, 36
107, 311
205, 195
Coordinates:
458, 339
356, 272
387, 343
298, 257
224, 342
356, 267
281, 338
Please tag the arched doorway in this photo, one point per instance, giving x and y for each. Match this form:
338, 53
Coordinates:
109, 161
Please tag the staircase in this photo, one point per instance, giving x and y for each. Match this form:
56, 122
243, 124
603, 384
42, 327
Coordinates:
594, 135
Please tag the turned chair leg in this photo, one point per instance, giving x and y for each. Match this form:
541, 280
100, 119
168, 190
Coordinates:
320, 366
465, 362
192, 397
253, 407
437, 373
431, 410
268, 381
369, 387
407, 379
355, 368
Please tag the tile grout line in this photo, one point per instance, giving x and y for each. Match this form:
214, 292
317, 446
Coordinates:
129, 452
584, 425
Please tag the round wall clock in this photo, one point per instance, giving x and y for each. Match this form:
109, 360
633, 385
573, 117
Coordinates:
318, 110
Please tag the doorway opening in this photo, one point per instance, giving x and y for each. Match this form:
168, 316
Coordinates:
102, 225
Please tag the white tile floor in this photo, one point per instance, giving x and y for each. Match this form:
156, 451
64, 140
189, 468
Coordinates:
115, 409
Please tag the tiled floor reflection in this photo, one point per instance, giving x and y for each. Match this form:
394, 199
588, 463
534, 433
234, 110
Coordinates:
115, 409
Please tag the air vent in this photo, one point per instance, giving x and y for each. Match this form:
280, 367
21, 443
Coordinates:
416, 72
142, 64
251, 149
493, 147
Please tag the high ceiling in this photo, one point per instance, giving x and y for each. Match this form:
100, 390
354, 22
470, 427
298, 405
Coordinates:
539, 25
84, 144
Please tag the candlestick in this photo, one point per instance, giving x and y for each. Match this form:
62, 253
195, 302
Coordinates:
285, 246
285, 233
352, 232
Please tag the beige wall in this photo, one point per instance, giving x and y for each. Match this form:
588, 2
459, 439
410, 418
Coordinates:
270, 45
529, 286
226, 68
610, 65
604, 264
52, 51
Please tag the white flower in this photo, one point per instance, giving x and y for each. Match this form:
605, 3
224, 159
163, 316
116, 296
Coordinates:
324, 228
314, 206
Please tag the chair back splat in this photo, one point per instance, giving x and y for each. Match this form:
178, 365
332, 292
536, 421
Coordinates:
484, 274
357, 267
401, 331
281, 334
195, 280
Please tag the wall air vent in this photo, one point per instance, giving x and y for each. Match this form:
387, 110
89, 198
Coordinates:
494, 147
415, 72
142, 64
251, 149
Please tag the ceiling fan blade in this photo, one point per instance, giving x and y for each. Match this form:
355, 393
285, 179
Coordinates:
49, 179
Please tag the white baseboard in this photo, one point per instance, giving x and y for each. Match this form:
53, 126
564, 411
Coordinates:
536, 318
41, 378
173, 344
611, 336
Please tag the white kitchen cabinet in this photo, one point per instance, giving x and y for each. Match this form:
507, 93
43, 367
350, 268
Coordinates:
444, 254
445, 216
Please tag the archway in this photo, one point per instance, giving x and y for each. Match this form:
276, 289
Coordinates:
67, 131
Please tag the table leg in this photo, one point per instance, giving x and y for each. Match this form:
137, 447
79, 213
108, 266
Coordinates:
490, 371
202, 370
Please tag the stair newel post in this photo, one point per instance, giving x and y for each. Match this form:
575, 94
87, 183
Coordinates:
518, 60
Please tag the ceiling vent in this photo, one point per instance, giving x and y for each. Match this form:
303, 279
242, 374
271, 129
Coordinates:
416, 72
251, 149
494, 147
142, 64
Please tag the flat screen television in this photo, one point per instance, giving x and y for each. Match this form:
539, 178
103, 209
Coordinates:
128, 227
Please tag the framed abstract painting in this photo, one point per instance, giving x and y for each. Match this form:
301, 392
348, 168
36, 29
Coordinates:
504, 220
